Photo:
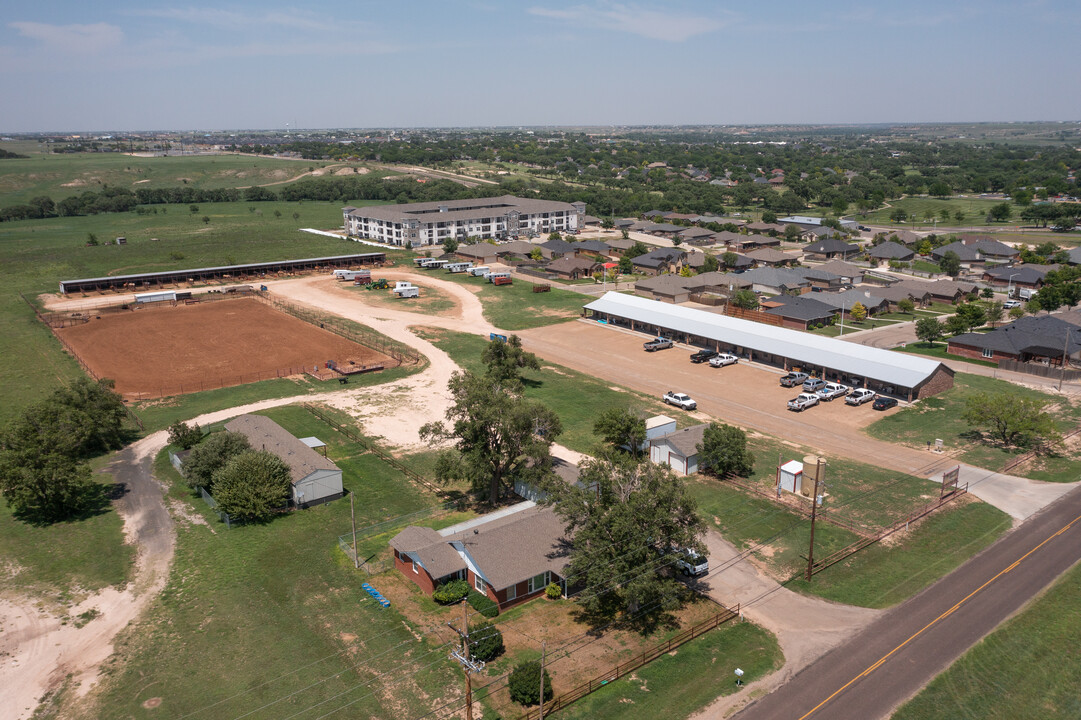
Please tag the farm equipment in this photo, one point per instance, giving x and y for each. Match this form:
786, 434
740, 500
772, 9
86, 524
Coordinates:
542, 288
380, 284
262, 288
502, 281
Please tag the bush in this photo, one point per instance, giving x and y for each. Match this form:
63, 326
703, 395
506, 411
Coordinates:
485, 642
482, 604
552, 592
524, 684
211, 456
184, 436
451, 592
253, 485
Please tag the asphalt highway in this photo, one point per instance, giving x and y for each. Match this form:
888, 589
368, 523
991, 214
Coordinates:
876, 671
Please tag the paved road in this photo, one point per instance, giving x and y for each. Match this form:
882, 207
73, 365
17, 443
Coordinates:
869, 676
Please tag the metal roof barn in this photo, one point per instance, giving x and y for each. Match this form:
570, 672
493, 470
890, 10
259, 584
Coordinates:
887, 367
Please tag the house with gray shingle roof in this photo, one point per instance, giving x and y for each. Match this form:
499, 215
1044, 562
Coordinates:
510, 556
890, 251
800, 311
678, 450
1028, 338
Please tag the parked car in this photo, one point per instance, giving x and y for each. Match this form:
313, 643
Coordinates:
680, 400
723, 359
884, 403
859, 396
657, 344
1010, 304
803, 401
702, 355
793, 379
691, 563
813, 385
832, 390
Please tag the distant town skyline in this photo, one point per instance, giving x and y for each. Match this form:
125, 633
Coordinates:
71, 66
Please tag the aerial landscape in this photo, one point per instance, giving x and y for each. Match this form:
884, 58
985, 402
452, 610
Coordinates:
576, 360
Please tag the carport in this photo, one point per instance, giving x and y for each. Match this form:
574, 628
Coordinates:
903, 375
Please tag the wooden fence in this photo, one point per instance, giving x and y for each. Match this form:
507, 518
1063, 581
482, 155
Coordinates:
754, 315
1047, 371
561, 701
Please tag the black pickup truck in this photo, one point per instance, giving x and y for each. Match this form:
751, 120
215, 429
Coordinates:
657, 344
703, 355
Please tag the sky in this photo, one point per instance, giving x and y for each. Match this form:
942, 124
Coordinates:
73, 65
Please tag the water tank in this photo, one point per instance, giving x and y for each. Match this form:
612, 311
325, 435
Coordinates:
812, 466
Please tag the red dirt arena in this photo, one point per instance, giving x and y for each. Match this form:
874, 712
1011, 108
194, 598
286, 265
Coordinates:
188, 348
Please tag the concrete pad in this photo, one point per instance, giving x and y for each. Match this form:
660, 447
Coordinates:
1017, 496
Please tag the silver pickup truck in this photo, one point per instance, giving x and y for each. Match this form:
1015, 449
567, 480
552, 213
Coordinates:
803, 401
657, 344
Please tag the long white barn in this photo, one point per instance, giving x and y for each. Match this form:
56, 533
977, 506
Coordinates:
499, 218
885, 371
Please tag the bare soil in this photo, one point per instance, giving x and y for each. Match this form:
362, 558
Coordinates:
188, 348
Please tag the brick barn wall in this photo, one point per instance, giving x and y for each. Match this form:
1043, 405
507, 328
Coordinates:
977, 353
940, 381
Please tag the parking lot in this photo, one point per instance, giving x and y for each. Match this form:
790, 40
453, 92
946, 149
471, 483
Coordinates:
744, 394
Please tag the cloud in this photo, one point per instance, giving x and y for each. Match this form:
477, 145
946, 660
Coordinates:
654, 24
72, 38
232, 20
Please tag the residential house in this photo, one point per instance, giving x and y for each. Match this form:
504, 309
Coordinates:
519, 248
618, 246
743, 243
556, 249
978, 251
660, 261
572, 268
509, 557
951, 291
666, 288
821, 279
679, 450
907, 290
771, 257
830, 248
852, 274
315, 479
1026, 276
697, 236
887, 251
480, 253
592, 248
1027, 339
765, 227
800, 311
844, 301
776, 281
904, 237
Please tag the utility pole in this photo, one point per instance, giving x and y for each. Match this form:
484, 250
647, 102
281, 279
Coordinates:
544, 647
353, 517
814, 513
468, 664
1065, 357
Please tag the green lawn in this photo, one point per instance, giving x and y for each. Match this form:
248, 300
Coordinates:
938, 351
851, 326
926, 266
1028, 669
884, 574
254, 614
661, 689
974, 208
62, 560
517, 307
941, 417
573, 396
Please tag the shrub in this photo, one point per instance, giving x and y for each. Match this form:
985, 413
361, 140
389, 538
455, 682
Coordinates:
184, 436
485, 642
451, 592
524, 683
254, 485
210, 456
482, 604
552, 592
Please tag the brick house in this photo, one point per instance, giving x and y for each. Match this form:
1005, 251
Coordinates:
510, 555
1039, 339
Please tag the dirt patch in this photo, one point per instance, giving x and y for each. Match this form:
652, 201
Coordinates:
140, 182
185, 516
188, 348
152, 703
352, 171
75, 183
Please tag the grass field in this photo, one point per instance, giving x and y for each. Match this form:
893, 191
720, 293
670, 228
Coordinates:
36, 255
257, 613
661, 689
1028, 669
517, 307
573, 396
938, 351
941, 417
62, 561
974, 208
64, 174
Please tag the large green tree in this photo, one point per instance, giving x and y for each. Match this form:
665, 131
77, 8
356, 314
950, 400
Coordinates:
252, 486
625, 517
207, 458
929, 330
723, 450
621, 429
745, 299
506, 360
950, 263
1011, 420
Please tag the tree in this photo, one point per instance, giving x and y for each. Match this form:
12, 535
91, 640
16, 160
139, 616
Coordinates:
41, 486
939, 189
524, 683
959, 216
210, 456
626, 267
193, 209
768, 216
621, 429
677, 241
710, 264
91, 239
185, 436
1001, 212
296, 216
639, 248
277, 214
906, 305
499, 437
625, 233
839, 206
929, 330
955, 325
723, 450
745, 299
506, 360
607, 224
485, 642
898, 215
858, 312
792, 232
987, 293
950, 263
554, 236
993, 311
973, 315
622, 513
1016, 313
449, 245
536, 254
1011, 420
729, 259
206, 219
252, 485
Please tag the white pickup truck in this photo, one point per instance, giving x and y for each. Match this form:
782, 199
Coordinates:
831, 391
680, 400
803, 401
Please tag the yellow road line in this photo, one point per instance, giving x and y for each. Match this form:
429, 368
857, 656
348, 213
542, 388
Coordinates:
944, 615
